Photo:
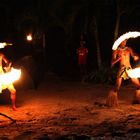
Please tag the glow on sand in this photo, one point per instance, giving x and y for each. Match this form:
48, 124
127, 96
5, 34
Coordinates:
124, 37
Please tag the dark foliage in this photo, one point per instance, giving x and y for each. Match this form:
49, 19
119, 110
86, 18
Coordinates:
104, 75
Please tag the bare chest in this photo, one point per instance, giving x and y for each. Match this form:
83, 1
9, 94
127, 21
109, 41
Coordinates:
124, 53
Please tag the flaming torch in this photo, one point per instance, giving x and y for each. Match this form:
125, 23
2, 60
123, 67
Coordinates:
29, 37
2, 45
134, 73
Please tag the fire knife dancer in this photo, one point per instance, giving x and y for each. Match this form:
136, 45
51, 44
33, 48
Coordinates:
10, 86
122, 55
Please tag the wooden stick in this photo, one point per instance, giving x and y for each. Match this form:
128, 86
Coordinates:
13, 120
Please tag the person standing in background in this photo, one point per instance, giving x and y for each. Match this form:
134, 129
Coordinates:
82, 52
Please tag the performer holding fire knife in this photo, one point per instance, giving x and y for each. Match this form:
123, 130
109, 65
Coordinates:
10, 86
122, 56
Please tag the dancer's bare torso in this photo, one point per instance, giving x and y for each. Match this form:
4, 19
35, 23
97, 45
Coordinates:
124, 55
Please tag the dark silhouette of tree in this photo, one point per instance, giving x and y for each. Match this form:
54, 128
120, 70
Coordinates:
71, 17
125, 7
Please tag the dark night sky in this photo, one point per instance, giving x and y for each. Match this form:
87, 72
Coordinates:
63, 21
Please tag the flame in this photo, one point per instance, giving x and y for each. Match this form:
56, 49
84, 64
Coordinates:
124, 37
134, 73
2, 45
29, 37
10, 77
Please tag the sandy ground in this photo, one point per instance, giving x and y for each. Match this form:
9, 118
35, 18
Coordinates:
70, 110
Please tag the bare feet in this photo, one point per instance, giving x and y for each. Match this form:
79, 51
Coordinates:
14, 108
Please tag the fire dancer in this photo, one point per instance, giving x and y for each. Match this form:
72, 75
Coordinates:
10, 86
122, 55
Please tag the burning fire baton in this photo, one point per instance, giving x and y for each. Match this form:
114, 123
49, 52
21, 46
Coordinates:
2, 45
124, 37
8, 78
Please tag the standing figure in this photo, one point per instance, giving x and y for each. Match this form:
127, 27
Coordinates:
122, 56
10, 86
82, 52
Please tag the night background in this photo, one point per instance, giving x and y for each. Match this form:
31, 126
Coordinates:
61, 23
54, 102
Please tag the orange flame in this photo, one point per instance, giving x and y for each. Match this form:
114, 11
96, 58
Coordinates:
10, 77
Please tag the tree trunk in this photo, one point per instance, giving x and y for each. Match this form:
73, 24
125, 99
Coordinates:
117, 24
99, 60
